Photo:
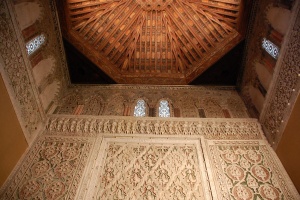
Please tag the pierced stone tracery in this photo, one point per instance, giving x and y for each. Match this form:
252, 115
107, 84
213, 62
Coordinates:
270, 48
140, 108
164, 109
34, 44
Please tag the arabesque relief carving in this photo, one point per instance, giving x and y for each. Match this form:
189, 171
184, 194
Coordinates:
285, 87
17, 75
247, 170
275, 107
209, 128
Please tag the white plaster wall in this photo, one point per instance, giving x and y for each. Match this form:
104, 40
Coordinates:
264, 76
49, 93
257, 98
28, 13
43, 69
279, 18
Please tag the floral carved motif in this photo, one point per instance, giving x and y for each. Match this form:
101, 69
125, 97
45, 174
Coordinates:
51, 170
214, 129
248, 170
285, 87
17, 74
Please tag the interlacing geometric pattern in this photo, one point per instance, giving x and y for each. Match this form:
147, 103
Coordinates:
270, 47
164, 109
35, 44
150, 171
140, 108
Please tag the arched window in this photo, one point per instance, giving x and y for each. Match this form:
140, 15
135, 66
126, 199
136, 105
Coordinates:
140, 108
35, 44
164, 109
270, 48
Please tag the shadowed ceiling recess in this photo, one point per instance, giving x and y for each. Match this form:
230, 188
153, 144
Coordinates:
153, 41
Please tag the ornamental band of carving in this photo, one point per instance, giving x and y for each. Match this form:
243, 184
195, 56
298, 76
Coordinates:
209, 128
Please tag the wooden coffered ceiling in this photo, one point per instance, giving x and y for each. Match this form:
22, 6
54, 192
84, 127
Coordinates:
153, 41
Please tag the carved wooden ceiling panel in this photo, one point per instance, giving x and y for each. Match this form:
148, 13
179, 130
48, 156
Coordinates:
153, 41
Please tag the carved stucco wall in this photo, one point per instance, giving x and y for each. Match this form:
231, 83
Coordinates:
48, 63
270, 94
185, 101
285, 86
35, 81
15, 69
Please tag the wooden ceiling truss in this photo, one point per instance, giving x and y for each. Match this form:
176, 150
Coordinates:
157, 41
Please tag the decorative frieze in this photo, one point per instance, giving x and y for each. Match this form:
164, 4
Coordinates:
209, 128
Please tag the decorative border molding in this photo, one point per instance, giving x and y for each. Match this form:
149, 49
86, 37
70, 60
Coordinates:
59, 44
285, 86
155, 87
17, 77
238, 129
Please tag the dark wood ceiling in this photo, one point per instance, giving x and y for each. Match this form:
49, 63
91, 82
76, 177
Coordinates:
152, 42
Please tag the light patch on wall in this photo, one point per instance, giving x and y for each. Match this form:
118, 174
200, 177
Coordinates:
279, 18
43, 69
49, 93
28, 13
257, 98
264, 76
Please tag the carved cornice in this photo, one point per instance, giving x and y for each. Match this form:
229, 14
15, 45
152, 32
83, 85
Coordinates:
238, 129
155, 87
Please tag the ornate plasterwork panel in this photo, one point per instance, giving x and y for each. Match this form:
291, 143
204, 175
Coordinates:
50, 83
107, 158
154, 42
258, 29
151, 169
285, 86
209, 128
51, 169
15, 69
121, 100
247, 170
51, 26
